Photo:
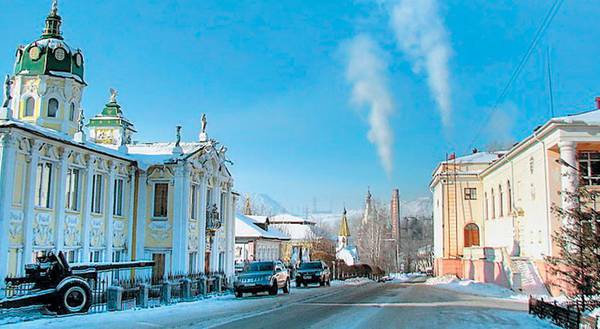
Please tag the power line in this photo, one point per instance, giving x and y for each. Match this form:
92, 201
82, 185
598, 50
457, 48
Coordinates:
539, 33
550, 91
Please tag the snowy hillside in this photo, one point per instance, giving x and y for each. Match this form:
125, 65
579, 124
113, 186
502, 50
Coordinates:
418, 207
262, 204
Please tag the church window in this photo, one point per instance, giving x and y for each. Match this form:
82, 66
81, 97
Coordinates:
493, 203
470, 193
29, 106
509, 196
589, 167
72, 115
43, 185
194, 202
73, 189
97, 193
52, 108
161, 194
118, 197
501, 201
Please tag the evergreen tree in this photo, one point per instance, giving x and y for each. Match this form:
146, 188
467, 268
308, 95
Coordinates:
578, 239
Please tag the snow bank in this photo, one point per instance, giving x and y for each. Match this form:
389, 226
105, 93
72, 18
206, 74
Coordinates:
351, 282
475, 288
404, 277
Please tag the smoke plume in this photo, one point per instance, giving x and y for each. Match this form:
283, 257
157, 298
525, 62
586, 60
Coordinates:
367, 73
422, 36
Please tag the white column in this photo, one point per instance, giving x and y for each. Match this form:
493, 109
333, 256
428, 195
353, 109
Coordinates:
569, 176
130, 218
178, 253
86, 208
29, 204
229, 255
140, 226
109, 206
185, 218
8, 150
218, 234
202, 224
59, 205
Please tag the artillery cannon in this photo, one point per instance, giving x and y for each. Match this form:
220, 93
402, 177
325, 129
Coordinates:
62, 288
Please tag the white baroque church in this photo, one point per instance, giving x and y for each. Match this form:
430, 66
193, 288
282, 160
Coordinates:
102, 198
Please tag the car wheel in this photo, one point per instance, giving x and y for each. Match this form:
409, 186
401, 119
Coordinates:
74, 297
239, 294
286, 288
305, 284
273, 290
298, 283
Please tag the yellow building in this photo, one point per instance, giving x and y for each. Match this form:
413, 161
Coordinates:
106, 198
493, 218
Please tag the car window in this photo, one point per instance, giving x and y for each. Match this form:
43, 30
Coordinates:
259, 267
311, 265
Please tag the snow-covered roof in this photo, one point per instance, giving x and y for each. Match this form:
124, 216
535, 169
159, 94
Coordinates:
259, 219
158, 153
60, 136
289, 219
479, 157
245, 227
588, 117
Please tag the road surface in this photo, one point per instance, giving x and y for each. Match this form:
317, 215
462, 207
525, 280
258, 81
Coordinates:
370, 305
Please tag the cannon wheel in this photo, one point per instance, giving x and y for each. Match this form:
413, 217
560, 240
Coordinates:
74, 297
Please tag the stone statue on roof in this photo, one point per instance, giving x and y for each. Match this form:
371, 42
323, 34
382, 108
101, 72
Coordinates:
80, 120
54, 8
178, 141
203, 123
7, 89
113, 95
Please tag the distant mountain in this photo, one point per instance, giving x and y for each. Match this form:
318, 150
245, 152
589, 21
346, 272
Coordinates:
262, 204
418, 207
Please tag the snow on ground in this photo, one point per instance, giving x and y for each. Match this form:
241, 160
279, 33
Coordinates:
450, 282
404, 277
350, 282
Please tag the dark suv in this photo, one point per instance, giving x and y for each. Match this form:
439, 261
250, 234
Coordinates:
262, 276
313, 272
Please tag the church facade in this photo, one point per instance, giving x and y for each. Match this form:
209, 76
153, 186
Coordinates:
102, 198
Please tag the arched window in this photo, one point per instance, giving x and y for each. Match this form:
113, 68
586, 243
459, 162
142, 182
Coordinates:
29, 106
72, 114
501, 202
52, 107
493, 203
471, 235
485, 206
509, 197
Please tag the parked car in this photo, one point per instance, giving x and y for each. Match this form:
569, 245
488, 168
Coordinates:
313, 272
262, 276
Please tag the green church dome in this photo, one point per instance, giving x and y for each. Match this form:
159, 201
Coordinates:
50, 55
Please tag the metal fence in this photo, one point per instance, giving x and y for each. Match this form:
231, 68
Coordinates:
140, 291
565, 317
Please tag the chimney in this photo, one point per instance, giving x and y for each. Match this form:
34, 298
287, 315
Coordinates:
597, 103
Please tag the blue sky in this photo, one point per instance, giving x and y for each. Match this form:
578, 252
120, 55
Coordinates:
274, 81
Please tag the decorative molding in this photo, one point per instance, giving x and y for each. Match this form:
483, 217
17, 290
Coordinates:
96, 232
42, 230
193, 235
119, 237
72, 234
159, 230
15, 224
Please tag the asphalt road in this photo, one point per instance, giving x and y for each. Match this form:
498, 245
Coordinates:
370, 305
